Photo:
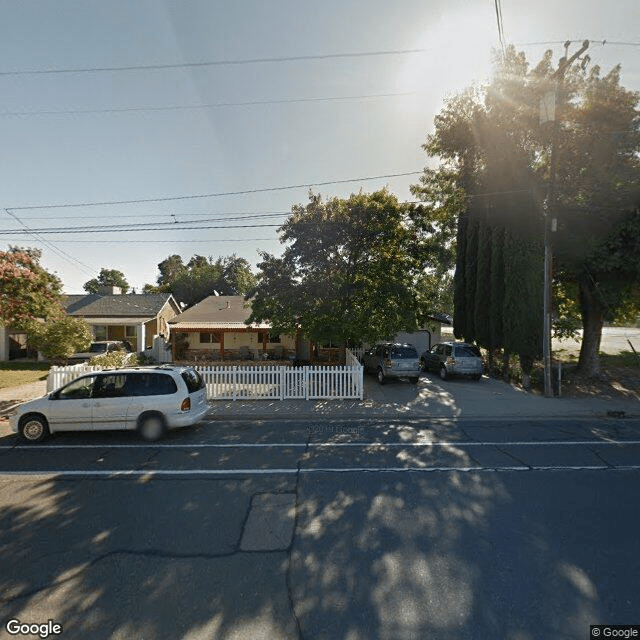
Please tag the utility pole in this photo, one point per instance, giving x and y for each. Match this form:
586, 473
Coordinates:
550, 219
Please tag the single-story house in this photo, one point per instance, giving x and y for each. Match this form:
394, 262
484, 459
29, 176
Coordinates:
216, 329
135, 317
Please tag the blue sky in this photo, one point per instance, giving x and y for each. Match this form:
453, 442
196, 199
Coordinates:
143, 134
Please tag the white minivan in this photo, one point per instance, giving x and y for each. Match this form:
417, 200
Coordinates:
150, 399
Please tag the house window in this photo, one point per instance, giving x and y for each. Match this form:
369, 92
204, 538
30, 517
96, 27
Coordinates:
205, 337
100, 331
274, 337
130, 331
262, 335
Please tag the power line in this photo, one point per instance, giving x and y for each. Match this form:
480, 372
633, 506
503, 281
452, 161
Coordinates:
593, 41
106, 203
498, 6
214, 63
59, 252
176, 225
137, 230
217, 105
144, 226
165, 241
223, 215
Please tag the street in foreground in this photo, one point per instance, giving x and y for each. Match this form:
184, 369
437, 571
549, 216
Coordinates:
340, 530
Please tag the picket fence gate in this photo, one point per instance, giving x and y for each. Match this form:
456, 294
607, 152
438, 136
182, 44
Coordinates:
260, 382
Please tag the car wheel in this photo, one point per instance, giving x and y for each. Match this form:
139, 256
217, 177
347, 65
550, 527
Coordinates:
33, 428
380, 376
414, 380
443, 372
477, 378
151, 427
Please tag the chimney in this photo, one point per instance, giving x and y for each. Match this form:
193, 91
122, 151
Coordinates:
110, 290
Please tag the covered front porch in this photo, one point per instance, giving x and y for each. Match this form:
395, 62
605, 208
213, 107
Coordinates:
208, 344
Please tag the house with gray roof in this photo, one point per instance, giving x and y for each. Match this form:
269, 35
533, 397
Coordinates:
216, 329
135, 317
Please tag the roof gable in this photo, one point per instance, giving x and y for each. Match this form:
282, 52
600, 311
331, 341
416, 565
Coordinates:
126, 305
217, 310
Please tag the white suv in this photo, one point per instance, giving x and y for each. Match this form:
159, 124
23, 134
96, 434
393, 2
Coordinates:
149, 399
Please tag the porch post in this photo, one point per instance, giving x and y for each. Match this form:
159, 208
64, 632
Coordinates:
140, 337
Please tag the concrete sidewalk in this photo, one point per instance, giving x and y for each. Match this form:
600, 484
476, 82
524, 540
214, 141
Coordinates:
430, 398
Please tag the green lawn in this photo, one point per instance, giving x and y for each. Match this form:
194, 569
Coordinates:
13, 374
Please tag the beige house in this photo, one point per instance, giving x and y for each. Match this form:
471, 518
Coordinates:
135, 317
216, 329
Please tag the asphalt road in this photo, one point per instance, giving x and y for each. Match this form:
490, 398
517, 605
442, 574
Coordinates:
344, 530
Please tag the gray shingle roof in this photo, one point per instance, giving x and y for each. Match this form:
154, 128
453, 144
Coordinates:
216, 309
129, 305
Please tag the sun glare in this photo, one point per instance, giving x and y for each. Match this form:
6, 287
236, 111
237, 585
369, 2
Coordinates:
458, 54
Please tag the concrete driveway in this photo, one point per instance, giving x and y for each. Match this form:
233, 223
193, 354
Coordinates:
487, 398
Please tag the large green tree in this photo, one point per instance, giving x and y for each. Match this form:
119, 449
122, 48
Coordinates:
107, 278
350, 271
27, 291
201, 277
586, 167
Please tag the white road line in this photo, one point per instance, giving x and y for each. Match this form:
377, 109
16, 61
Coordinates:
165, 473
302, 445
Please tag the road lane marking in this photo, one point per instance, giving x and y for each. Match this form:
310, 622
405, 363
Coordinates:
303, 445
168, 473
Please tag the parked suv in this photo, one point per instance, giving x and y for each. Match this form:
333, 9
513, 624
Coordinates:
392, 360
453, 359
148, 399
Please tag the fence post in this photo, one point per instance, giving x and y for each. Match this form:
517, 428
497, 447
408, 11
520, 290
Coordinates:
306, 382
234, 383
281, 381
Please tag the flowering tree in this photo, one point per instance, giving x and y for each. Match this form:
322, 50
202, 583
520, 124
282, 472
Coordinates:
27, 291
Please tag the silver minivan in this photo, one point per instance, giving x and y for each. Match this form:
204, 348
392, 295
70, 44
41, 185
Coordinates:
453, 359
149, 399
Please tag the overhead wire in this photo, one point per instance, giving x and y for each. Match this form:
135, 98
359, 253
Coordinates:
106, 203
61, 253
216, 105
212, 63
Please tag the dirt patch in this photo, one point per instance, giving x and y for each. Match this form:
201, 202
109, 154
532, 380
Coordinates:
613, 382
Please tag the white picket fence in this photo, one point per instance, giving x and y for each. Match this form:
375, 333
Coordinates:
61, 375
260, 383
283, 383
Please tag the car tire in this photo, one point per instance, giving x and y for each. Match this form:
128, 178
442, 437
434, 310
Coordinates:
414, 380
33, 428
443, 372
380, 376
151, 427
477, 378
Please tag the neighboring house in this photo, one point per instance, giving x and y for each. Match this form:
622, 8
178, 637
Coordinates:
216, 329
430, 334
14, 345
135, 317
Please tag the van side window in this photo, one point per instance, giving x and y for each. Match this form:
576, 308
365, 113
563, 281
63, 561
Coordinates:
151, 384
110, 386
